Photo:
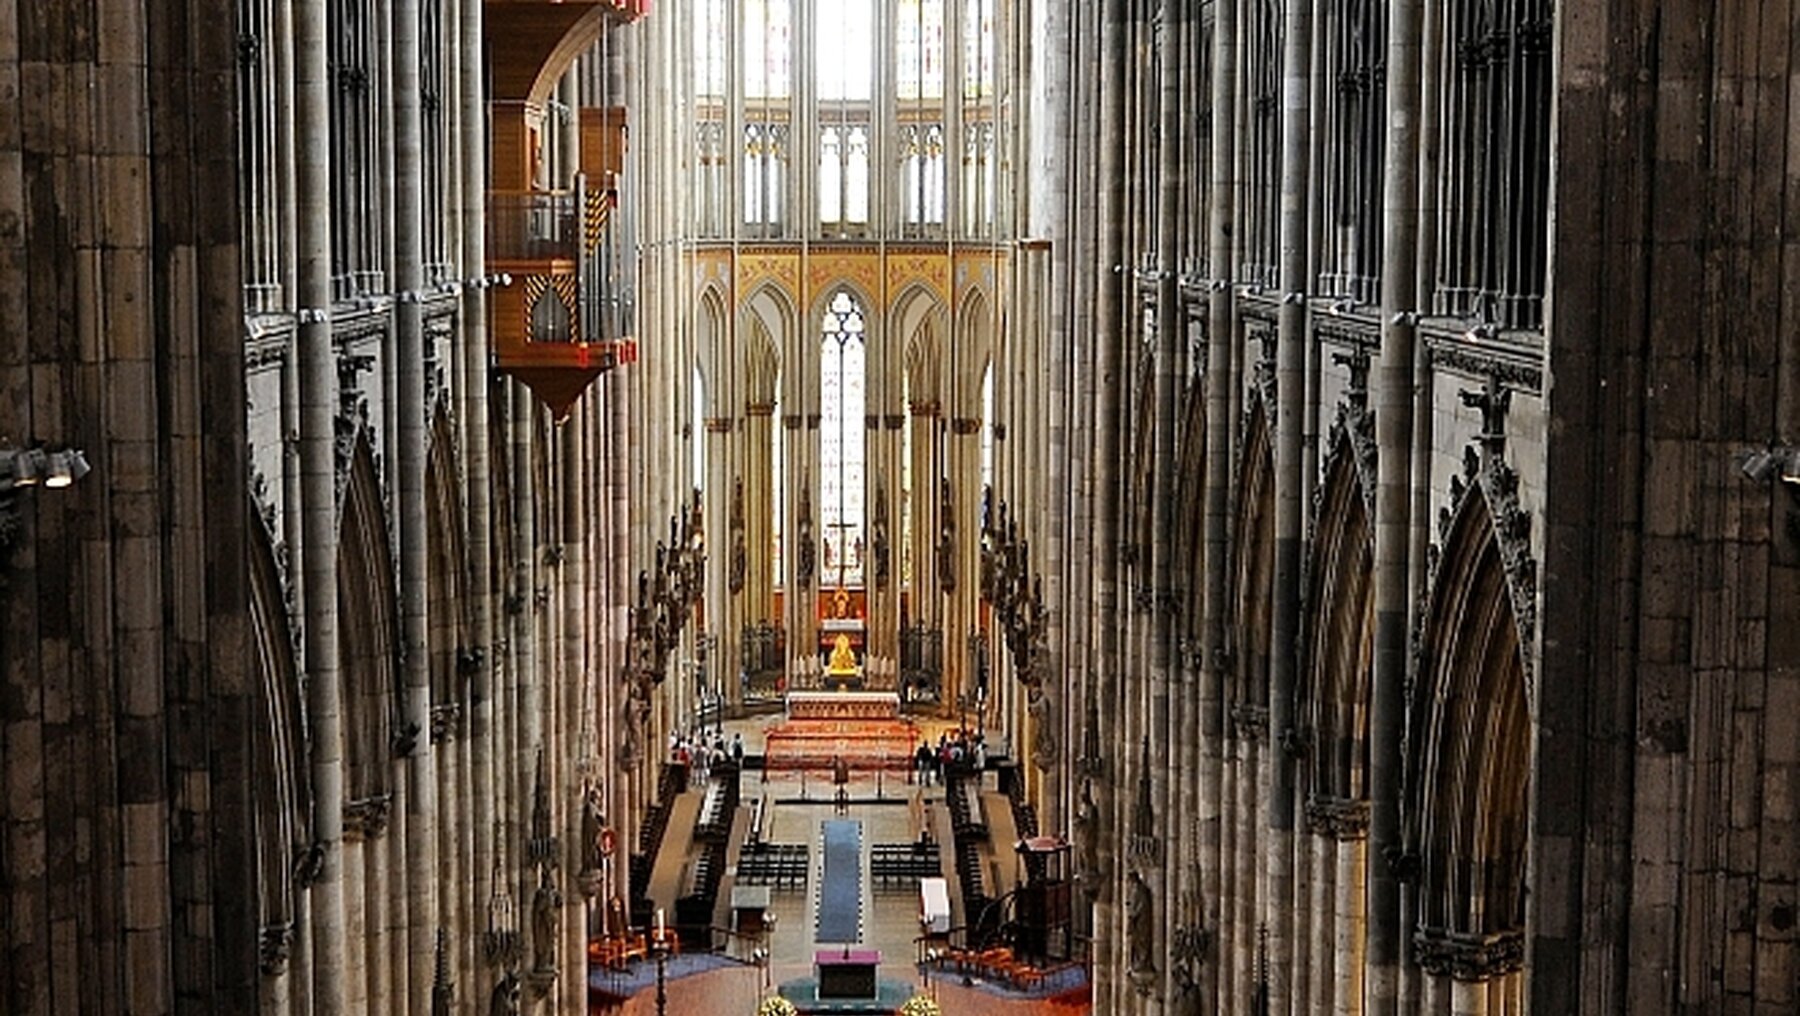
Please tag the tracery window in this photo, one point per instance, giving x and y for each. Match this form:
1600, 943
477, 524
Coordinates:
842, 356
259, 139
845, 64
980, 111
710, 156
1356, 111
1262, 156
919, 112
1494, 176
356, 253
768, 89
432, 117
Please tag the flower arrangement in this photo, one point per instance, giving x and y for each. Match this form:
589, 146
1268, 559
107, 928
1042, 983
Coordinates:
775, 1005
920, 1005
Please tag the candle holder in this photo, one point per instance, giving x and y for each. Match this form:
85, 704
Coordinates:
660, 948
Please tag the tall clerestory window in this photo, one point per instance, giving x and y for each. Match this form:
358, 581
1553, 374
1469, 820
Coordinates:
845, 65
919, 115
842, 355
980, 118
711, 155
768, 114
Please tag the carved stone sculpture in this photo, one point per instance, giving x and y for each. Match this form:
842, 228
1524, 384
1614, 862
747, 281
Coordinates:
1087, 843
546, 908
505, 999
1045, 750
1140, 915
592, 823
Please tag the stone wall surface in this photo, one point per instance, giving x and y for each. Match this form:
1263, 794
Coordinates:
1666, 872
124, 720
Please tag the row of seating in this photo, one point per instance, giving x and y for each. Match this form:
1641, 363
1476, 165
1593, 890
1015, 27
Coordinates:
780, 866
901, 865
996, 964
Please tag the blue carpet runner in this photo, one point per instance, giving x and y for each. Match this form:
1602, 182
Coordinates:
840, 887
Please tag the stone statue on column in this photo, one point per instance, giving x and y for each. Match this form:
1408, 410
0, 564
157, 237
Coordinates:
1140, 916
592, 822
946, 549
1045, 747
1087, 842
505, 999
546, 909
879, 537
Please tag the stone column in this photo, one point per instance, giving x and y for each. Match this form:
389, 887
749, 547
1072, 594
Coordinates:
1280, 793
927, 467
480, 737
1110, 990
1353, 860
318, 506
1393, 496
1171, 342
1468, 998
576, 690
1322, 932
521, 758
761, 504
1222, 252
357, 927
418, 769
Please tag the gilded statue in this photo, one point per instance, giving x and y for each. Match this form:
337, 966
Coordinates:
843, 658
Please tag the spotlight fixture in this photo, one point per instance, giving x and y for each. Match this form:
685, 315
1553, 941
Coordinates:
1771, 465
28, 467
66, 467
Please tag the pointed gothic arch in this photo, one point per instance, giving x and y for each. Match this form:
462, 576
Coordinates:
925, 363
1190, 505
1339, 619
712, 340
974, 343
446, 562
1469, 768
282, 805
367, 630
1253, 563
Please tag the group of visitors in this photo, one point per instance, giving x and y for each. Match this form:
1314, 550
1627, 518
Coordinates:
960, 749
700, 756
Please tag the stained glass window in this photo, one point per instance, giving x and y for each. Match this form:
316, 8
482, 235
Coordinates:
841, 405
709, 49
767, 56
768, 28
846, 49
919, 38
